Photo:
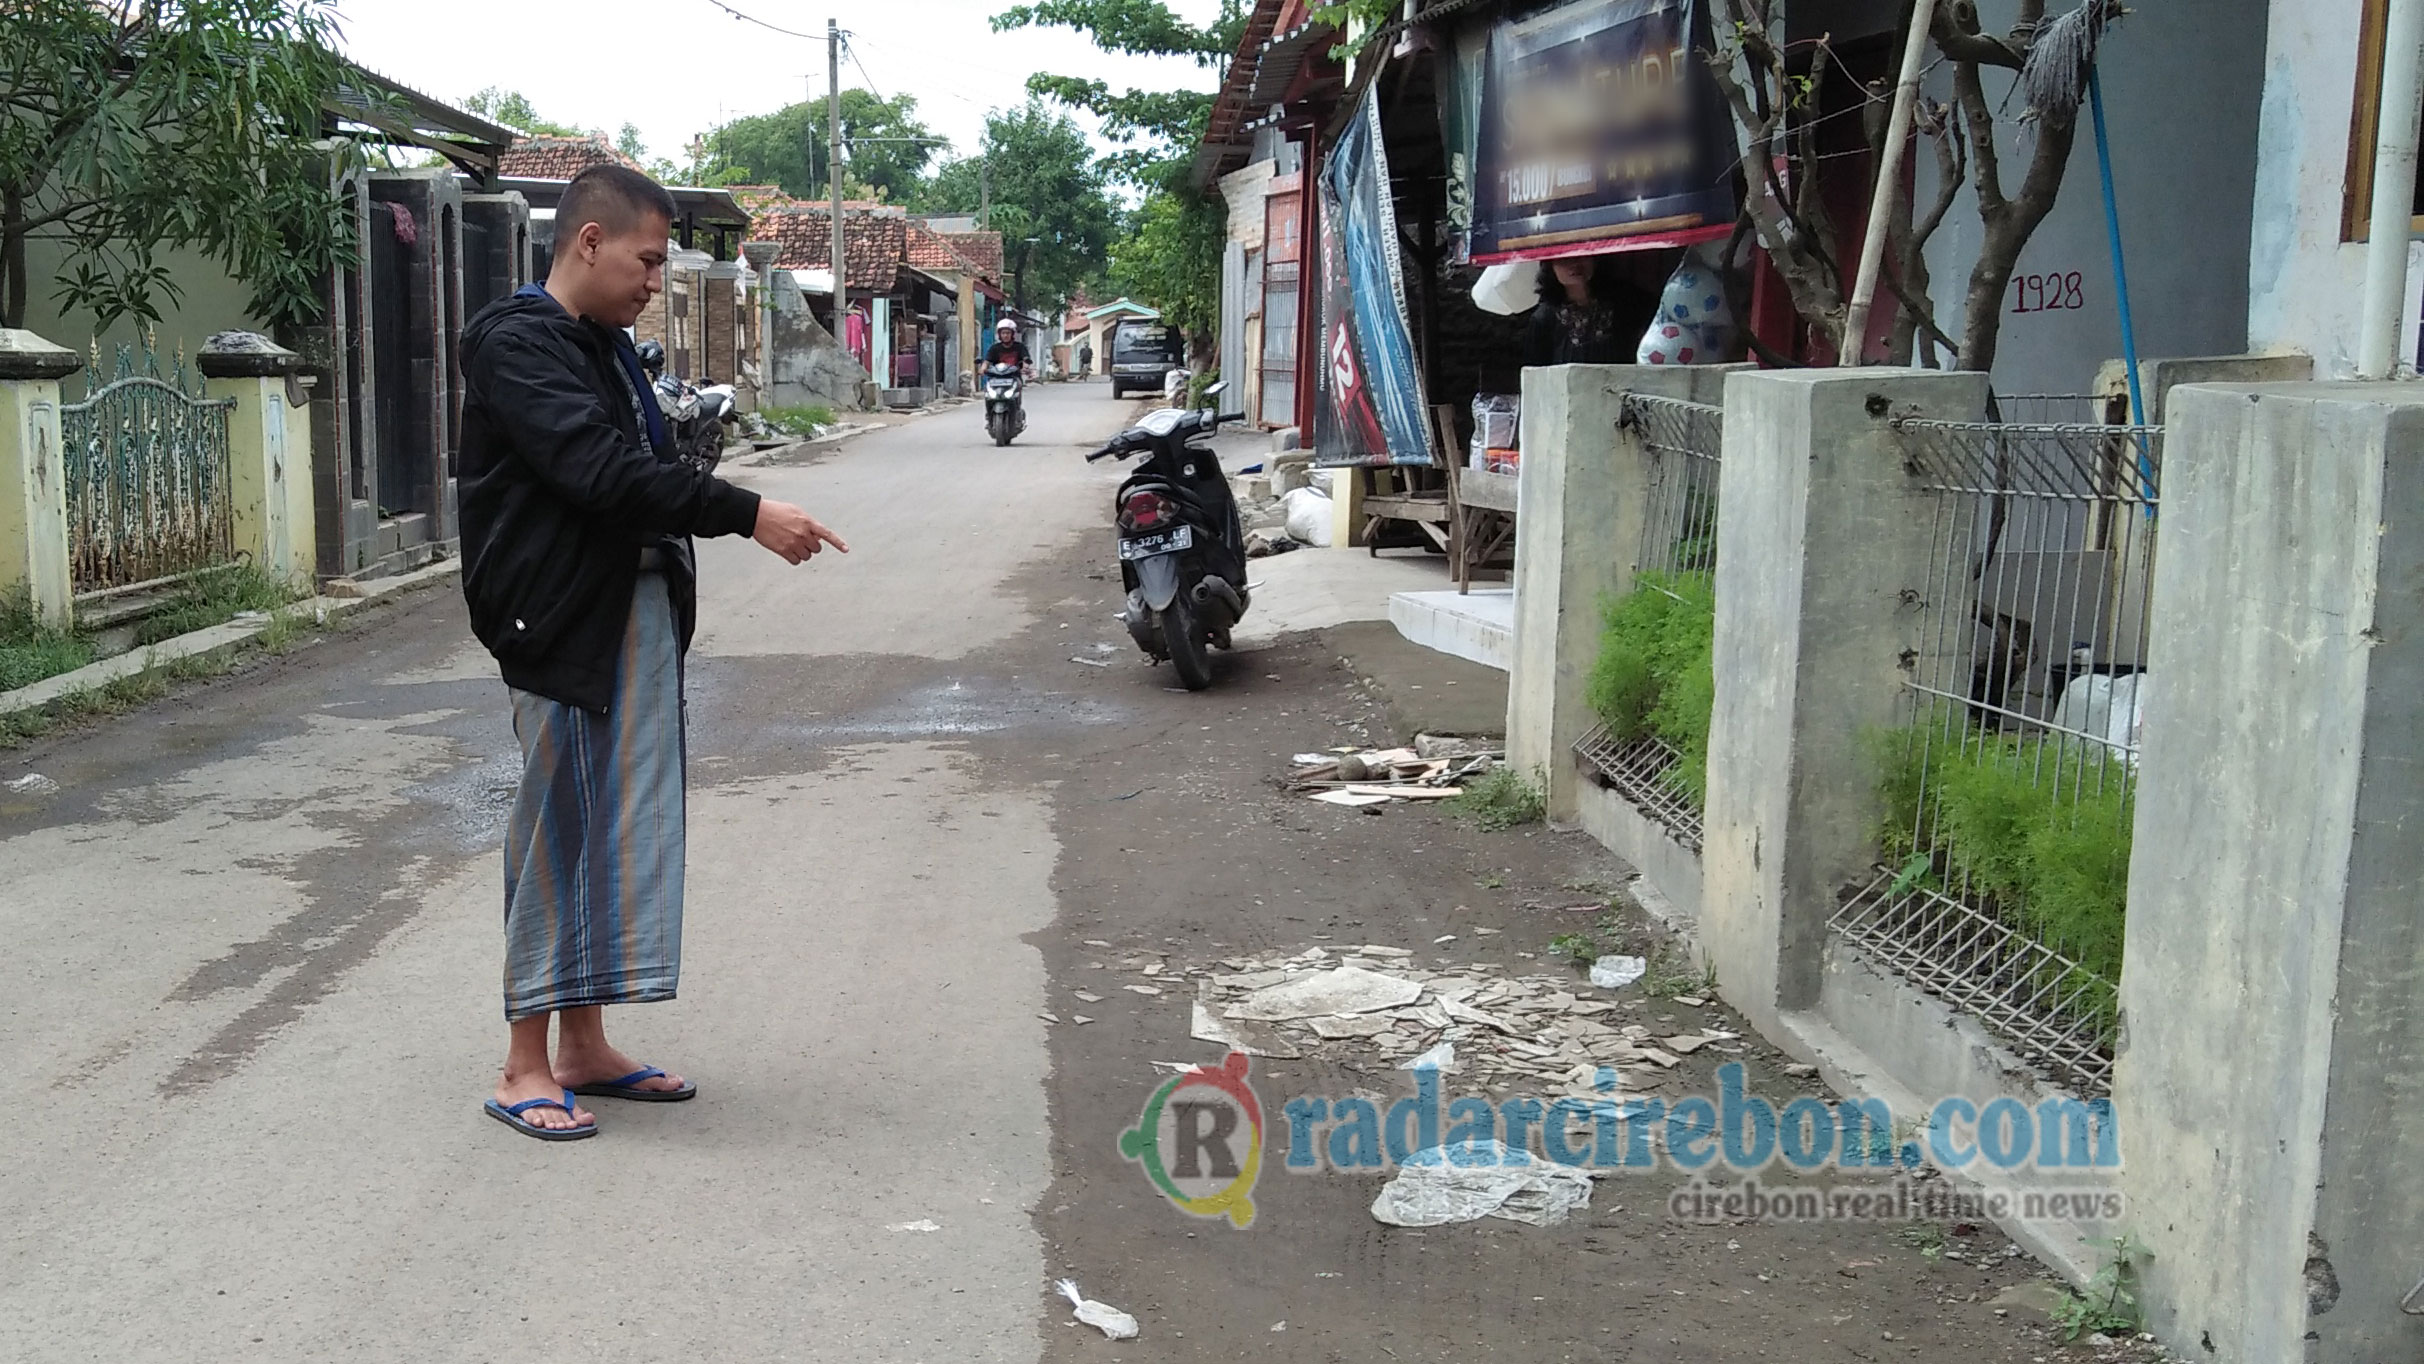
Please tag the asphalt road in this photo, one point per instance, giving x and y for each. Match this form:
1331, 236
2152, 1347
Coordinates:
250, 996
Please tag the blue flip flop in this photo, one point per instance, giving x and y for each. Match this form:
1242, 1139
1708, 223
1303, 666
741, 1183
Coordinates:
627, 1088
511, 1116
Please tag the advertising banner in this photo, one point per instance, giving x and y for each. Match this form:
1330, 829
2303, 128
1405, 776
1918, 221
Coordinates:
1371, 391
1600, 126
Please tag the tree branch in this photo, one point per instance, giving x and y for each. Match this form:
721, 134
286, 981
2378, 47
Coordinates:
1984, 162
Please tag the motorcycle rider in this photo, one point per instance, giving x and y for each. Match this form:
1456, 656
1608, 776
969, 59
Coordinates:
1008, 349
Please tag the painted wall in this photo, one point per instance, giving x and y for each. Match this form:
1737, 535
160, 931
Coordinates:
2304, 283
2184, 81
211, 302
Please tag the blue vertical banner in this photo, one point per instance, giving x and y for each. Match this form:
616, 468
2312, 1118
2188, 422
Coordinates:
1371, 389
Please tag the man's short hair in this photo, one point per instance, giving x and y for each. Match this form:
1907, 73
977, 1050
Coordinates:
616, 198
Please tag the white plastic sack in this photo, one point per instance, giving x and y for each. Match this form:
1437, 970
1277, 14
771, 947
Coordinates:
2112, 708
1431, 1190
1509, 289
1102, 1316
1309, 517
1694, 326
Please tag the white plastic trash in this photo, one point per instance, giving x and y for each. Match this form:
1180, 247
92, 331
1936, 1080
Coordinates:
1309, 517
1508, 289
1431, 1190
1441, 1058
2112, 708
1102, 1316
1615, 973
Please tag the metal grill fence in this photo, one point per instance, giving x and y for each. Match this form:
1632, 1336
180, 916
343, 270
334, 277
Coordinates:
146, 463
2010, 787
1682, 442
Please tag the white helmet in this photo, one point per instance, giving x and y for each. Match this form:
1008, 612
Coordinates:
1005, 325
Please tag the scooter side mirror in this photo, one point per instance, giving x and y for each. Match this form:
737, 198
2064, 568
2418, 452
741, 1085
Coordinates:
1217, 389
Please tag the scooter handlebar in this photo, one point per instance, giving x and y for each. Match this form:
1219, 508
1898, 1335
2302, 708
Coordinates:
1230, 417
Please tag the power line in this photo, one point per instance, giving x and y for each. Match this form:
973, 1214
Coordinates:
772, 28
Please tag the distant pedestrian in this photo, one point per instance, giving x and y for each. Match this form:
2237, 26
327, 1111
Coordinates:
578, 569
1085, 359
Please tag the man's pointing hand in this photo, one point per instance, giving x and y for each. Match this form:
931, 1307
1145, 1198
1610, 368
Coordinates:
792, 533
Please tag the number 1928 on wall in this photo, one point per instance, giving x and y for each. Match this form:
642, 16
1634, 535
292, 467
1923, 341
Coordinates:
2048, 293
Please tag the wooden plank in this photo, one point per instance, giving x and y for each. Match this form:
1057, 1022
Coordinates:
1480, 488
1399, 507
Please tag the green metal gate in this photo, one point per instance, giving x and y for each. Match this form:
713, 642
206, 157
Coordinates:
147, 478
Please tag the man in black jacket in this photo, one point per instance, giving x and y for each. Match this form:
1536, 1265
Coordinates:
578, 569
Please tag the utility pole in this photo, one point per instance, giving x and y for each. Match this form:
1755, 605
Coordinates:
833, 167
984, 189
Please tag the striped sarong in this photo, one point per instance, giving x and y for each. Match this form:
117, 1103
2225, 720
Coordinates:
593, 852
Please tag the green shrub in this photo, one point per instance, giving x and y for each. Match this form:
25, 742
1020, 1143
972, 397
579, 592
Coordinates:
2041, 824
1655, 672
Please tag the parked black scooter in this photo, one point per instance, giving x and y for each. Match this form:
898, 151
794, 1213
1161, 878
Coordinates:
1182, 550
697, 416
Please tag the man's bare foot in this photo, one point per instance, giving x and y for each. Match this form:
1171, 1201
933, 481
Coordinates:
577, 1066
514, 1089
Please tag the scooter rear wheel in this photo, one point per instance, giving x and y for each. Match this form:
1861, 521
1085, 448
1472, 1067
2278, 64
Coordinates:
1183, 638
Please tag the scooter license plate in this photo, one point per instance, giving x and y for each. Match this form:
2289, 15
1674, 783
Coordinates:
1165, 542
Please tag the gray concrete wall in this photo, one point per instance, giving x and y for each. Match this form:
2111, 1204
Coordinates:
810, 367
2267, 1086
1581, 489
2157, 378
1821, 541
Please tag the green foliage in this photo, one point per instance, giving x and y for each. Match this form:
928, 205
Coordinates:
1170, 259
31, 651
798, 421
790, 147
135, 127
2110, 1302
1050, 202
1655, 672
1502, 800
1580, 949
2041, 824
512, 109
214, 599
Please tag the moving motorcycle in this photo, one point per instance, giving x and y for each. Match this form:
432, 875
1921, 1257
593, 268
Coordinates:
1005, 388
1182, 549
697, 416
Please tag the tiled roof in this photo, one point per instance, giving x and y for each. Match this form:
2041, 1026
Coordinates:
983, 250
558, 158
873, 243
757, 199
933, 251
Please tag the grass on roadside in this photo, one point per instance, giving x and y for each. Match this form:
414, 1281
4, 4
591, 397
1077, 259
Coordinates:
801, 422
1502, 800
214, 599
31, 650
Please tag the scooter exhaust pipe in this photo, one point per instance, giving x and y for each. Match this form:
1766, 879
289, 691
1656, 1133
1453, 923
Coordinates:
1217, 586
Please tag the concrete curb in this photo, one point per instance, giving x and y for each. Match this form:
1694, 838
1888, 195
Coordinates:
343, 597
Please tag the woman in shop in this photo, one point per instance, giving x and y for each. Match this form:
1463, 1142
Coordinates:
1588, 314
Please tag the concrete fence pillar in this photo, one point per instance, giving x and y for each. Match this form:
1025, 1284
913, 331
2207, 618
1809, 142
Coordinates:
1823, 549
268, 452
1582, 487
33, 476
2272, 999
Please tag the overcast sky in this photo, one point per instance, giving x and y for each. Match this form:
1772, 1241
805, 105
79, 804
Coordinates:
678, 67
